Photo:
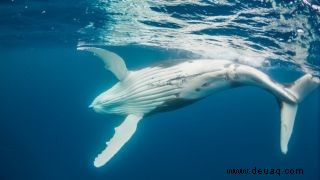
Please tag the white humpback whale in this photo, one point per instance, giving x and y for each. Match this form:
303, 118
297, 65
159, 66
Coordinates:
175, 84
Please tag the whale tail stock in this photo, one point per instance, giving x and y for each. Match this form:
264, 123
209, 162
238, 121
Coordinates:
299, 89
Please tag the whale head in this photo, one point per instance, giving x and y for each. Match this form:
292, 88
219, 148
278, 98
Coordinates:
105, 103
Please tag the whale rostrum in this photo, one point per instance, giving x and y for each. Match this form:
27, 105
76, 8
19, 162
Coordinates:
169, 86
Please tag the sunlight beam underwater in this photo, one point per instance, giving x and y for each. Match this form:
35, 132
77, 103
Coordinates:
166, 87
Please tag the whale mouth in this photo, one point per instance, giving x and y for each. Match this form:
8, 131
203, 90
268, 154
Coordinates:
97, 107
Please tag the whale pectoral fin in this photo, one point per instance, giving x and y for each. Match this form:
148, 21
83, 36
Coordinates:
112, 61
122, 134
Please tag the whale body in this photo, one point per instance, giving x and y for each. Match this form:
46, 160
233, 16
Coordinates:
175, 84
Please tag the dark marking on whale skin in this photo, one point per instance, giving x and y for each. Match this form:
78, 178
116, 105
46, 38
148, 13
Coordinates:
178, 78
205, 84
197, 89
172, 105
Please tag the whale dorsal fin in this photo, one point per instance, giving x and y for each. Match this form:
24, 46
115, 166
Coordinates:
122, 134
112, 61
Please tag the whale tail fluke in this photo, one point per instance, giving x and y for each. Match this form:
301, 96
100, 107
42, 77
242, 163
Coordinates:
304, 86
299, 89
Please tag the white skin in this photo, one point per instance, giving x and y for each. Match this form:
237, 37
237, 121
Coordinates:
147, 89
169, 86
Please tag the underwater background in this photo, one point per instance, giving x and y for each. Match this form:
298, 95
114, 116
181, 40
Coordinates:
47, 130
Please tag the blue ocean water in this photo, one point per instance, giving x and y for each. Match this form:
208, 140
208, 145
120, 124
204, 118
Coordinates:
47, 130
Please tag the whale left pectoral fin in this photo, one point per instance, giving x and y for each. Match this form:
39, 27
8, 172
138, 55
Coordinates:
122, 134
112, 61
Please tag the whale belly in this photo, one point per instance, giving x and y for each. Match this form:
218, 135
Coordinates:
157, 89
194, 89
